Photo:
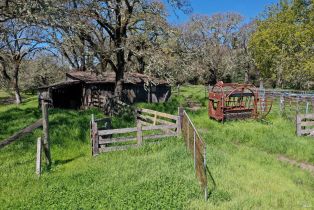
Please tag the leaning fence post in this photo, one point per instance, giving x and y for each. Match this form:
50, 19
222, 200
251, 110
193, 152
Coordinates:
139, 133
46, 144
38, 157
298, 125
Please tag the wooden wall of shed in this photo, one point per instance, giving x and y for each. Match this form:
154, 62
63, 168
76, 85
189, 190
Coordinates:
132, 93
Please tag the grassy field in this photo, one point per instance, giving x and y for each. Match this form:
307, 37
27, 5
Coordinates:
241, 155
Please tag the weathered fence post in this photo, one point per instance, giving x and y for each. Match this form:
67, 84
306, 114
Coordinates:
179, 121
282, 104
298, 125
95, 138
46, 144
194, 150
38, 157
307, 107
298, 105
206, 187
139, 134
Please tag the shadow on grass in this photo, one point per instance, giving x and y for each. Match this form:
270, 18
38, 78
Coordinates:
62, 162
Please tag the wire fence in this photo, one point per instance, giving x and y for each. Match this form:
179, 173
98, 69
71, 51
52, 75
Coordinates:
197, 148
288, 103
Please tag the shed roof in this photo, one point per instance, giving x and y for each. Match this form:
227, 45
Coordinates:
60, 84
110, 77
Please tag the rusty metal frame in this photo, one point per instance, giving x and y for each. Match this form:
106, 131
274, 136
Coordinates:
235, 101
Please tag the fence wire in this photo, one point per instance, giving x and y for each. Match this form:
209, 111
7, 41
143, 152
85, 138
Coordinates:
197, 148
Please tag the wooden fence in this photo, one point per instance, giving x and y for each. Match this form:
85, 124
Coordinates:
104, 139
305, 124
150, 125
197, 147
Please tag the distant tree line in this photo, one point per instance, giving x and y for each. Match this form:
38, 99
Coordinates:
40, 39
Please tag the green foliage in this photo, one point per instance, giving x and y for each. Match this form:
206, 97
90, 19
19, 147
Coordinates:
282, 46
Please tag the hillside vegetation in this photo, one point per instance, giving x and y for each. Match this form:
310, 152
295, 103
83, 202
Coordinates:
241, 155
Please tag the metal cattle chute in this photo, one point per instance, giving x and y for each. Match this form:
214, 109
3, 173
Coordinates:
229, 101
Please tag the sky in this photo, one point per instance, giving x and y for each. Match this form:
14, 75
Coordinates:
247, 8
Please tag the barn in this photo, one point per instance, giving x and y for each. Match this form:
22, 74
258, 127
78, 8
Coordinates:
84, 89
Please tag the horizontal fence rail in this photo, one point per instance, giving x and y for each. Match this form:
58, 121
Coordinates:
197, 148
305, 124
156, 125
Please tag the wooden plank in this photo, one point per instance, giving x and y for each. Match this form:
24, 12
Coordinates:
139, 133
116, 131
161, 114
298, 125
116, 140
179, 120
23, 132
154, 120
306, 131
95, 138
145, 123
306, 116
158, 127
118, 148
158, 136
307, 123
46, 143
38, 157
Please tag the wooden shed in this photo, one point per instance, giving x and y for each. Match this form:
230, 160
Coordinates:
82, 89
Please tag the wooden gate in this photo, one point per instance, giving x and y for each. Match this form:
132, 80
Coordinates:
305, 124
150, 124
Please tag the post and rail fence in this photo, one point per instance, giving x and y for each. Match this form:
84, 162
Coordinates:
305, 124
150, 124
103, 138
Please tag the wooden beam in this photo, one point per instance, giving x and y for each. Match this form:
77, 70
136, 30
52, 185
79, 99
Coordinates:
18, 135
160, 114
38, 156
46, 143
116, 131
115, 140
159, 136
153, 119
158, 127
139, 133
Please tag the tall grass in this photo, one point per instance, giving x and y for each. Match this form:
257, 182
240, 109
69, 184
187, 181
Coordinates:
241, 156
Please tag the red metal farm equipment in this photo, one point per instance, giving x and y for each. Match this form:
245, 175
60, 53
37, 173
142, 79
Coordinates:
229, 101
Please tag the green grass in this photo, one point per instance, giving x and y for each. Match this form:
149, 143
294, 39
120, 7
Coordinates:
241, 155
4, 94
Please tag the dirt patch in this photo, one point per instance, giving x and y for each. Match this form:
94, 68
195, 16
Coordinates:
303, 165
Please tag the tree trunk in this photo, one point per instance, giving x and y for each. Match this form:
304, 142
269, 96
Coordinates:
119, 74
246, 74
279, 75
18, 98
246, 77
213, 77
